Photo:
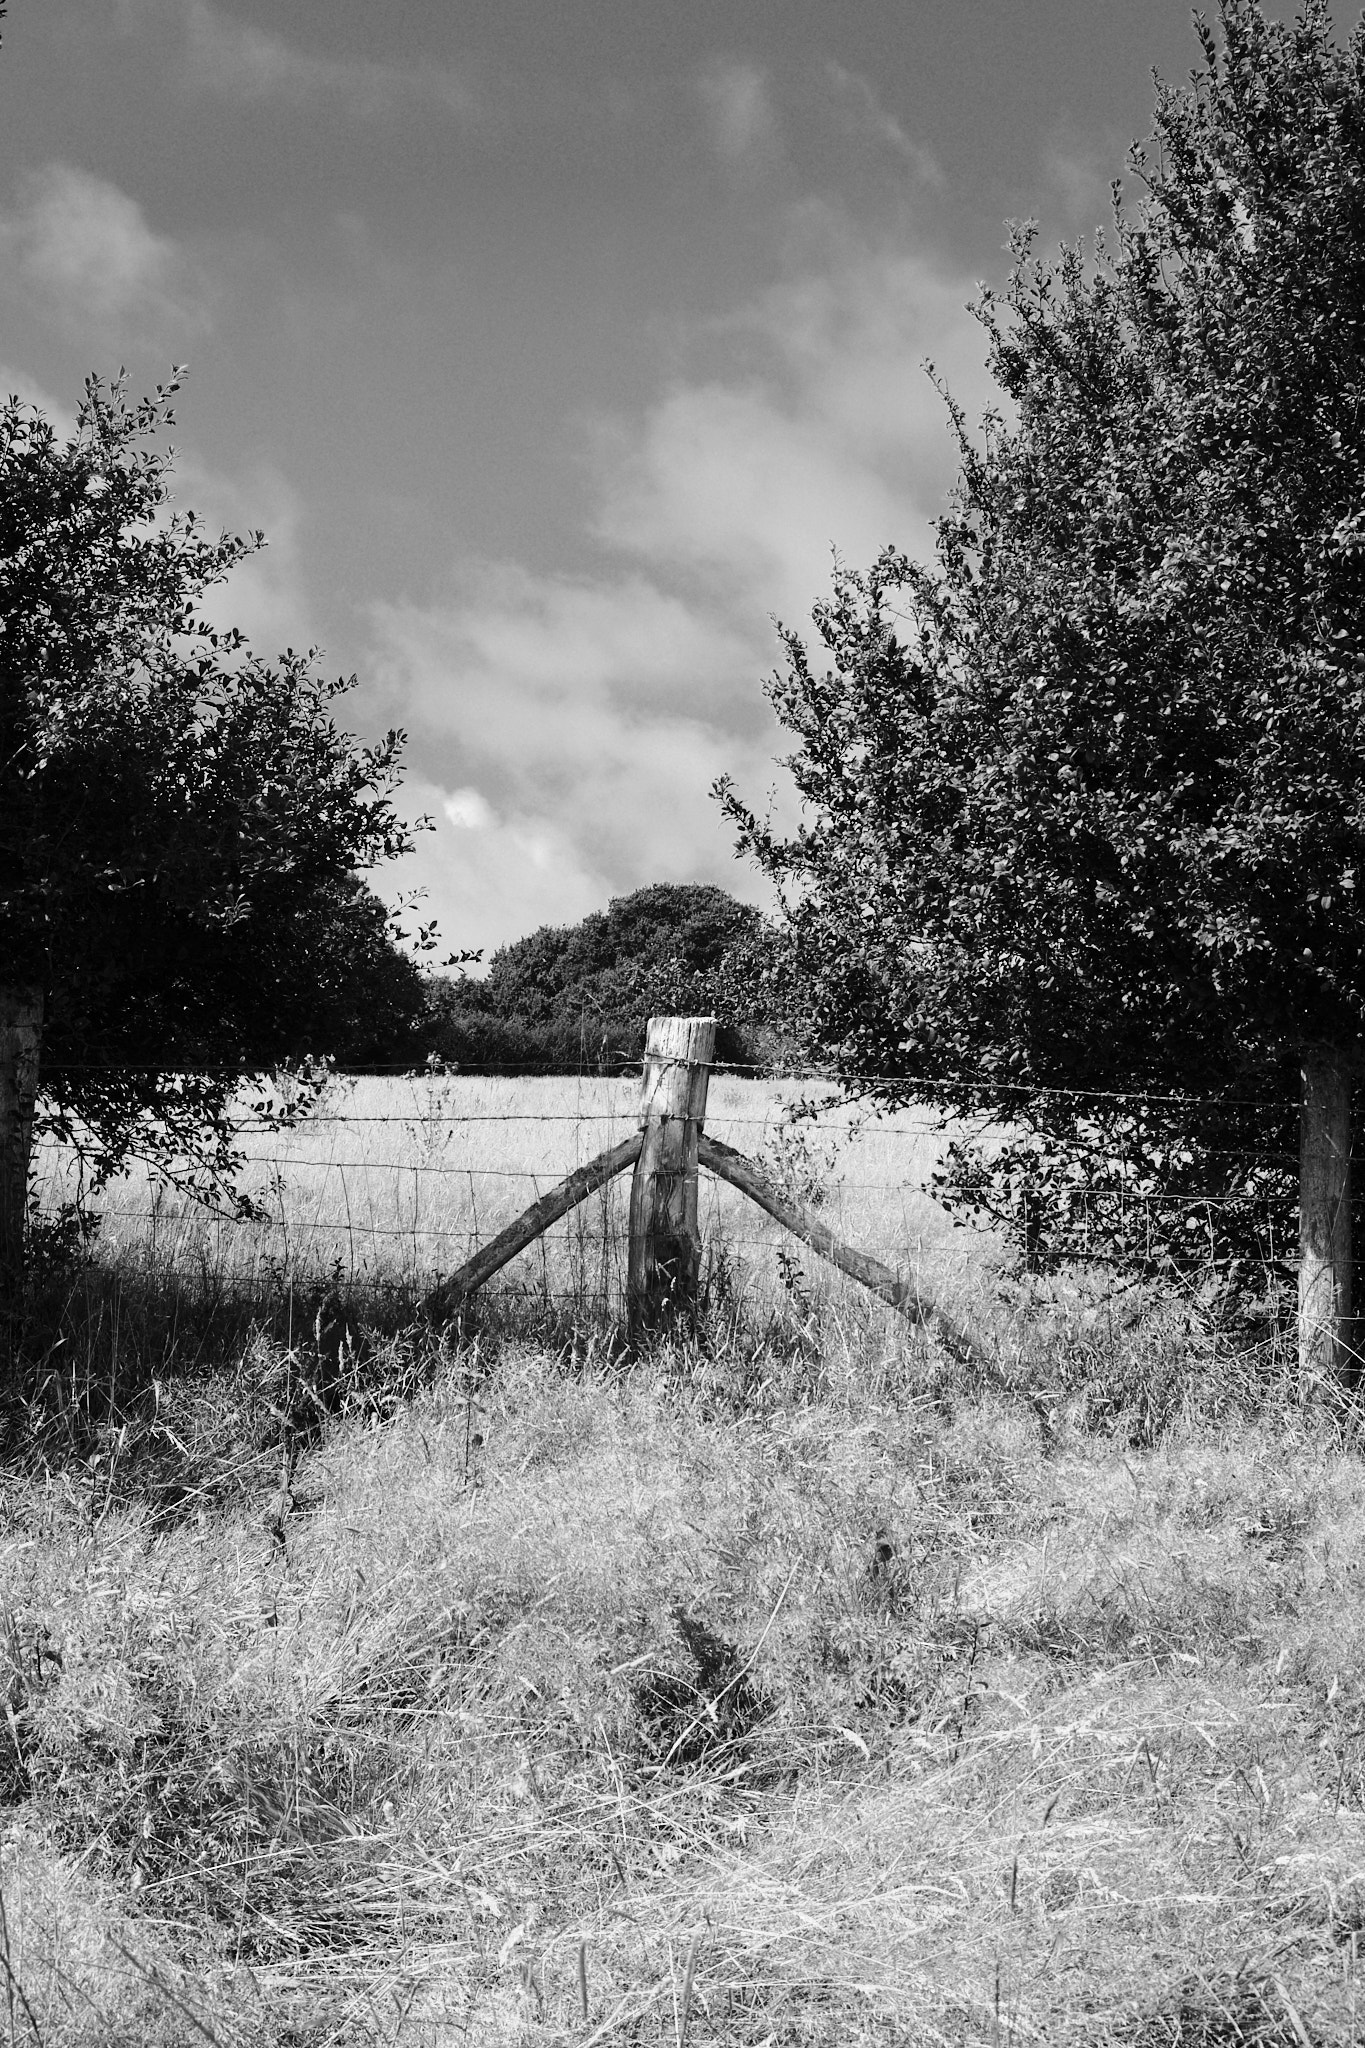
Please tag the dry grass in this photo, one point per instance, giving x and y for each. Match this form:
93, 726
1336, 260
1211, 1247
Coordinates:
786, 1687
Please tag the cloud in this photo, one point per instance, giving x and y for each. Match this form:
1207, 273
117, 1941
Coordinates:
829, 105
85, 251
491, 878
857, 108
236, 60
1078, 180
19, 383
833, 435
749, 494
266, 595
739, 110
579, 724
597, 710
573, 725
469, 810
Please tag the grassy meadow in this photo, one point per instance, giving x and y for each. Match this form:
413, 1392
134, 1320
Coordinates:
790, 1684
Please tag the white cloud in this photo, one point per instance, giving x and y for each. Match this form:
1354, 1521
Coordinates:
469, 810
85, 251
602, 710
731, 483
236, 60
836, 438
491, 879
265, 596
739, 109
573, 725
858, 109
19, 383
1078, 173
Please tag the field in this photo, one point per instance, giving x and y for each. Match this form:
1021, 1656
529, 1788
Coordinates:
790, 1684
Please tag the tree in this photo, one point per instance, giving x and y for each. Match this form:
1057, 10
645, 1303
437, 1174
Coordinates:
180, 820
1086, 799
349, 993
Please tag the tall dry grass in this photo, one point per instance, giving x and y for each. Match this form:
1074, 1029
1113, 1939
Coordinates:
793, 1684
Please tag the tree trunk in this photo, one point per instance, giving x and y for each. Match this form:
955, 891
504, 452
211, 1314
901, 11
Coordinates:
1326, 1348
21, 1031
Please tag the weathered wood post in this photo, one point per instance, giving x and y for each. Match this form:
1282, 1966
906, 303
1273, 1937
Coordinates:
21, 1030
1326, 1351
665, 1239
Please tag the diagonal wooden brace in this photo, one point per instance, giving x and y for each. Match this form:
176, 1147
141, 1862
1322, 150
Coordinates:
444, 1301
890, 1287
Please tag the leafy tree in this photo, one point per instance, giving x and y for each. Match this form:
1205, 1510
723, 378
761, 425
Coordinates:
179, 819
350, 993
1086, 800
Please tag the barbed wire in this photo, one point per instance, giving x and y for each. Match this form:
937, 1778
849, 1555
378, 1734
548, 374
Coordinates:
377, 1070
960, 1084
596, 1261
929, 1189
935, 1126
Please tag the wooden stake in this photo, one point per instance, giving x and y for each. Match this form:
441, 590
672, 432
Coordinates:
665, 1241
1325, 1331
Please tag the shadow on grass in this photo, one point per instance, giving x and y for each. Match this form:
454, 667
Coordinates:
1240, 2014
184, 1389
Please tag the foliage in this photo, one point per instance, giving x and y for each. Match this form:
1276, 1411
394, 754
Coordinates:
180, 819
1086, 800
351, 994
575, 997
1170, 1186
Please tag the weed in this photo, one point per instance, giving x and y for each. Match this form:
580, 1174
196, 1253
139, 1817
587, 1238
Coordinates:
801, 1166
703, 1707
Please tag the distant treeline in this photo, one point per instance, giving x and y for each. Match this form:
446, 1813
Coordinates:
577, 998
572, 999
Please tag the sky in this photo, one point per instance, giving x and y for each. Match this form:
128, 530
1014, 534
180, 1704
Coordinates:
556, 345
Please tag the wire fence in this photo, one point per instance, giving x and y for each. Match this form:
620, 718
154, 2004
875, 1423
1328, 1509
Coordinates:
408, 1176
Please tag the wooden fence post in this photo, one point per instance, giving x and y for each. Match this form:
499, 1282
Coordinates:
665, 1240
1325, 1329
21, 1030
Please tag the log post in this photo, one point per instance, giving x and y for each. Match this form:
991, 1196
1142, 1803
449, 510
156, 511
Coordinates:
21, 1030
1326, 1351
665, 1240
